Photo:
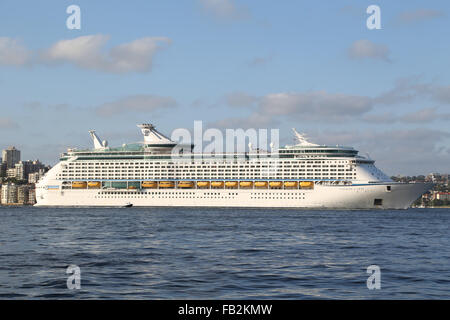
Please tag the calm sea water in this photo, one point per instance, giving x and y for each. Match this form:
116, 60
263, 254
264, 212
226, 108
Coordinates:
191, 253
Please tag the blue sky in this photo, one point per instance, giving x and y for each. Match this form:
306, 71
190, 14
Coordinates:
313, 65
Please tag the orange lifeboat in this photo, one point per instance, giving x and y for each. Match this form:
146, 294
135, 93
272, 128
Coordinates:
231, 184
79, 184
306, 184
246, 184
203, 184
185, 184
261, 184
217, 184
290, 184
94, 184
149, 184
275, 184
166, 184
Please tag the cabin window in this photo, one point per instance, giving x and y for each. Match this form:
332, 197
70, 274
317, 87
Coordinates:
378, 202
388, 188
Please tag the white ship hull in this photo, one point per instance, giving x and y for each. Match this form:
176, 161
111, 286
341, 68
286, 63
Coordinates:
368, 196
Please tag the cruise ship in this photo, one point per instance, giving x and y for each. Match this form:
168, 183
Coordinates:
303, 175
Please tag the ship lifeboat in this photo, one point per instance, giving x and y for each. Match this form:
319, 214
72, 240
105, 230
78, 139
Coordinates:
185, 184
79, 184
275, 184
166, 184
203, 184
246, 184
306, 184
231, 184
261, 184
217, 184
290, 184
149, 184
132, 187
94, 184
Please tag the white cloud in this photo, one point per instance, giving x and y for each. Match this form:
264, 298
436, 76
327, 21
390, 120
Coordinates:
86, 52
136, 103
319, 105
270, 109
425, 115
365, 49
136, 55
224, 9
13, 53
325, 107
420, 116
386, 117
83, 51
404, 90
409, 89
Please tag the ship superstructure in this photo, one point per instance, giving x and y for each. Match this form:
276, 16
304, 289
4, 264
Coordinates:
304, 175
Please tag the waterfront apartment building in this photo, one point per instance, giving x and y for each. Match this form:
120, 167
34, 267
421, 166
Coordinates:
10, 156
32, 196
17, 194
22, 194
9, 193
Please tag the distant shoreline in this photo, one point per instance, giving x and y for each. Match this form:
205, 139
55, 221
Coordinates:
438, 207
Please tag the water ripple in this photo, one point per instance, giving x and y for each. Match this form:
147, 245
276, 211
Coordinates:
178, 253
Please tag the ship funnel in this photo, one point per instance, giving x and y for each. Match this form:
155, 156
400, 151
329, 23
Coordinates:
153, 136
302, 139
98, 144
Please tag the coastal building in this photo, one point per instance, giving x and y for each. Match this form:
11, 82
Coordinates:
32, 196
24, 168
10, 156
3, 168
35, 176
442, 196
11, 173
9, 193
22, 194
